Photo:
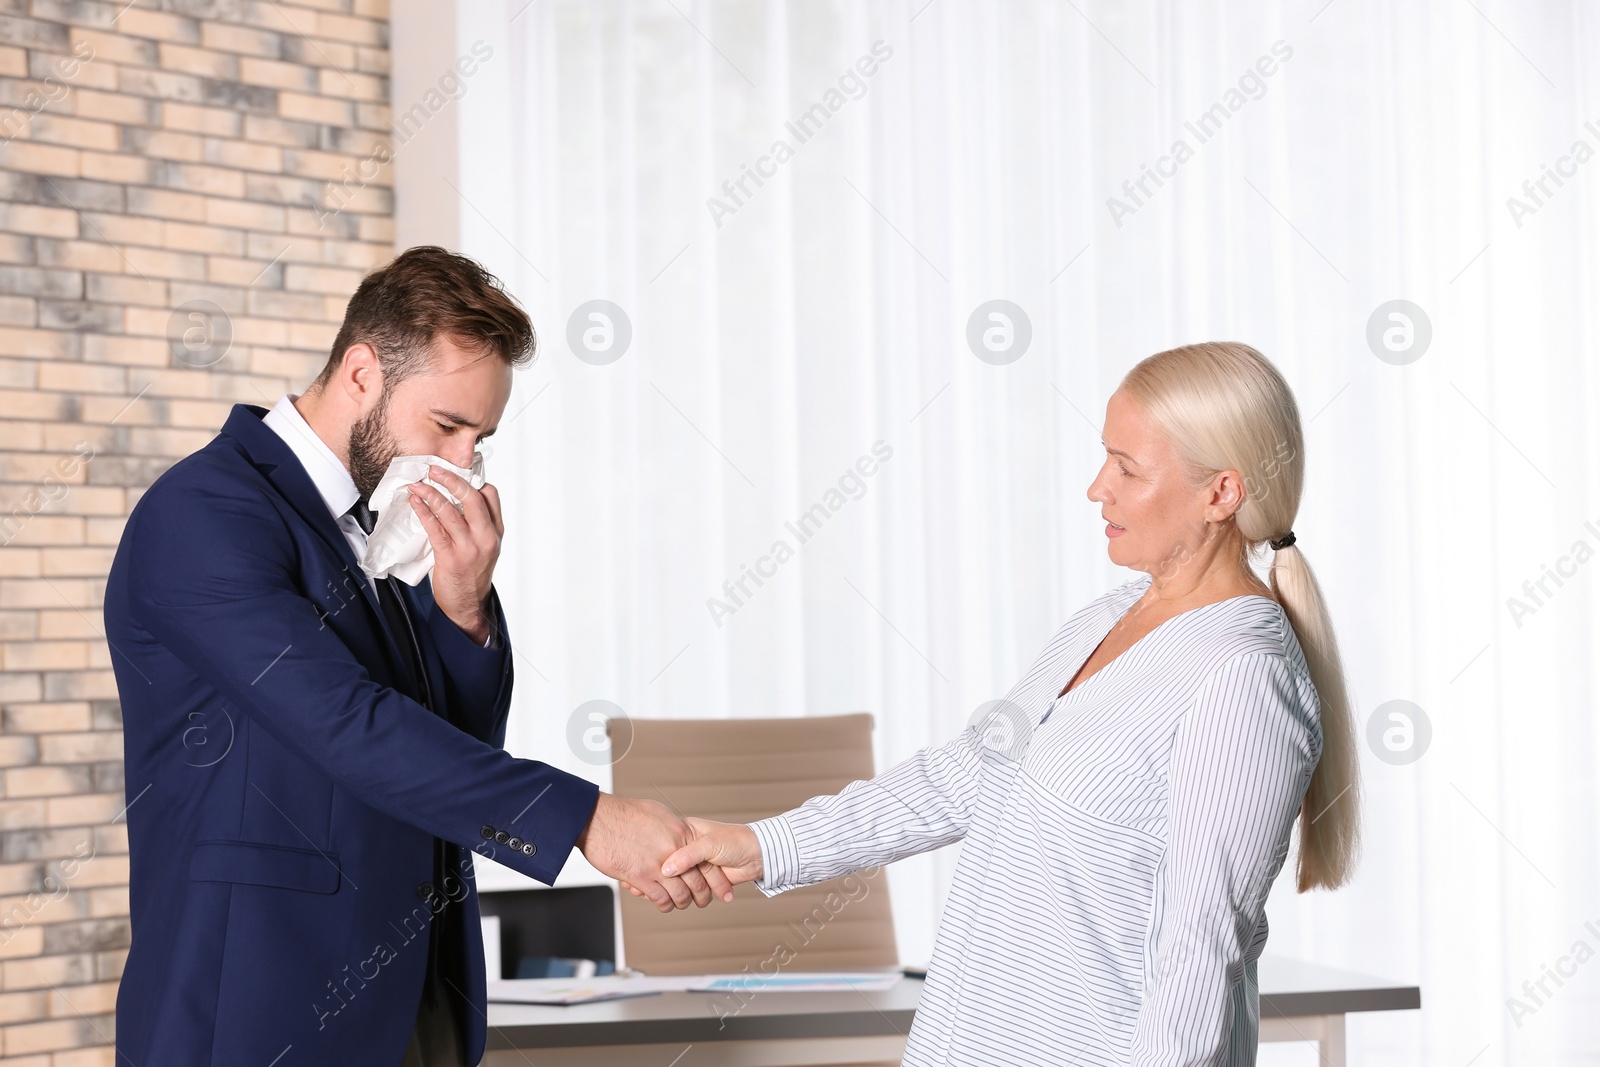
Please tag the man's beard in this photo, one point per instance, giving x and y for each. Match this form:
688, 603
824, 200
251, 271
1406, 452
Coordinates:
372, 447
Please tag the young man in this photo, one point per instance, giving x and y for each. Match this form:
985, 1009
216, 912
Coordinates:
311, 754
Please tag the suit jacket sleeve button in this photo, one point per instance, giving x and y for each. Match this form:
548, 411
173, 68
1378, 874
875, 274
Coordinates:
488, 832
502, 837
528, 848
515, 843
425, 890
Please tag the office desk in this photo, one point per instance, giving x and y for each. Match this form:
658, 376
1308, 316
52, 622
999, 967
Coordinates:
1299, 1002
1307, 1002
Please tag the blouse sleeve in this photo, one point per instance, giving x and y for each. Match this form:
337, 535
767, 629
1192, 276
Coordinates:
916, 806
1240, 763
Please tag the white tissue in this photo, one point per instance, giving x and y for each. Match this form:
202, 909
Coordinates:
398, 546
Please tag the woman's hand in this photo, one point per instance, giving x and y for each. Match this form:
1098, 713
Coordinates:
626, 837
732, 847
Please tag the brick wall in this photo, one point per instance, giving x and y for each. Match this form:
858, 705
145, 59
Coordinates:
187, 199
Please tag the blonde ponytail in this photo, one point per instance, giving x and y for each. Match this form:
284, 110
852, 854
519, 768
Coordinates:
1330, 814
1224, 406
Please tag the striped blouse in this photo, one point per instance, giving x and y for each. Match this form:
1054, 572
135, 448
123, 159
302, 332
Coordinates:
1108, 906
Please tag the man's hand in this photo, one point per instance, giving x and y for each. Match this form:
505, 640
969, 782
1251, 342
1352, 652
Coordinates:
466, 545
627, 840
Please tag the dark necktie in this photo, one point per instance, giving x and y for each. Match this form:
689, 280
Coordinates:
394, 610
437, 1037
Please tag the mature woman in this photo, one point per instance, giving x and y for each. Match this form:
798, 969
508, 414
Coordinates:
1127, 806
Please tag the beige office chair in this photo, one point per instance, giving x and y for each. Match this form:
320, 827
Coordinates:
739, 770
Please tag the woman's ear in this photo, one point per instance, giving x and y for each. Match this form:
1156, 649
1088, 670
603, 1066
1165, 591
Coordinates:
1227, 496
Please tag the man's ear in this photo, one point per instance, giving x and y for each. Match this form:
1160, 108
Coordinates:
360, 375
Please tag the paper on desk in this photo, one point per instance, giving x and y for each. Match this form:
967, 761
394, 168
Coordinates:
816, 981
616, 987
580, 990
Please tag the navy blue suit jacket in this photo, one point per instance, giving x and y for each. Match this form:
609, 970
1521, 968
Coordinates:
285, 787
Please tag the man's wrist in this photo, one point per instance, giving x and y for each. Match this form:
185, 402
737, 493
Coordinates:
602, 801
482, 629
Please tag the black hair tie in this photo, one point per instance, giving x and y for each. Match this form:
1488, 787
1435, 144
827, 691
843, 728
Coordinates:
1283, 542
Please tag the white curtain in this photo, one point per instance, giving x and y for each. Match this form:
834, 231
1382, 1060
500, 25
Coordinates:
1339, 156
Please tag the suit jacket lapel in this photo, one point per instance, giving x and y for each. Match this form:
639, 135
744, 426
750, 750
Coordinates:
282, 468
278, 463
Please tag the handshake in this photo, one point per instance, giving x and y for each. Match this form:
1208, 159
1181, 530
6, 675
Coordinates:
672, 861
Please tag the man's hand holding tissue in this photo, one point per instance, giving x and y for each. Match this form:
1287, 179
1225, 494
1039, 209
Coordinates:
466, 545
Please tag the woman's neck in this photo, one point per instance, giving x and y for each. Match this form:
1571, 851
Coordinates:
1225, 572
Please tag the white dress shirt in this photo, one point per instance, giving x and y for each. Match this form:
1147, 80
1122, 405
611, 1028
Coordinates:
328, 473
1108, 905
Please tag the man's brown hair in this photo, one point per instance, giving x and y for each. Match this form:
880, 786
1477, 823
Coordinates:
425, 291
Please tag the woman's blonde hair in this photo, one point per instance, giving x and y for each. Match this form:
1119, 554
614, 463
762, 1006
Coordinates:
1225, 407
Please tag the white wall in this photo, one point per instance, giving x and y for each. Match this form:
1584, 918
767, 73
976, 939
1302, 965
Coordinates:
829, 312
